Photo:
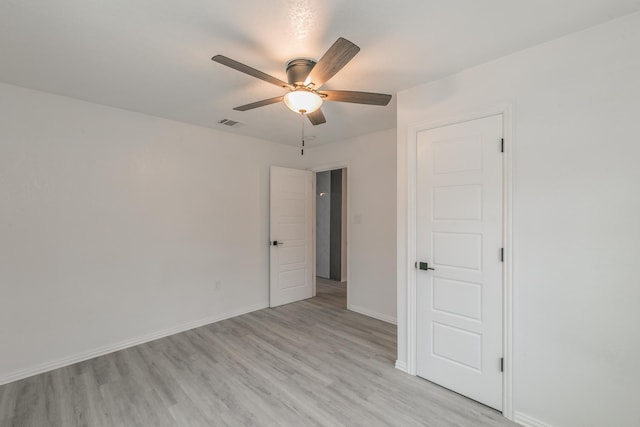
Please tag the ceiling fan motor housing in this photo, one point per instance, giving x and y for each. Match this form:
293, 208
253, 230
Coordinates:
298, 69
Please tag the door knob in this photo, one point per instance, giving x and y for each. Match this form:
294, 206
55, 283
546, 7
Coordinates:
423, 266
276, 243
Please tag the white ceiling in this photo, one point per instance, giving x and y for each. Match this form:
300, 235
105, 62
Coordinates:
153, 56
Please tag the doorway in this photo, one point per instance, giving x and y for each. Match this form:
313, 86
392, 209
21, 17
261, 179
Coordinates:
331, 263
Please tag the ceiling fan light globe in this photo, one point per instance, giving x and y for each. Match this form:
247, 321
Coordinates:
302, 101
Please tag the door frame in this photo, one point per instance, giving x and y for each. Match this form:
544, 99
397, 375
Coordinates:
323, 168
506, 110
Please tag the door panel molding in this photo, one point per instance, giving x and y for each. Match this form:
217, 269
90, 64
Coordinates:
507, 269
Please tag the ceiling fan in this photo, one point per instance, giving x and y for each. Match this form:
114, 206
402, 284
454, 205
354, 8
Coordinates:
305, 78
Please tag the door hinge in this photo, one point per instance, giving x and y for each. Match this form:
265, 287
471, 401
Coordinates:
501, 254
502, 145
502, 364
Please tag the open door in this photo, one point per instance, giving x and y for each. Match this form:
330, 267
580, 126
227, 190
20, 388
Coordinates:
291, 245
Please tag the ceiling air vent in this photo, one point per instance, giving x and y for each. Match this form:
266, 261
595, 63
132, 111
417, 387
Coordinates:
228, 122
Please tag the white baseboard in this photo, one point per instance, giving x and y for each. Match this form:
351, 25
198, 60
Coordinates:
66, 361
373, 314
402, 366
528, 421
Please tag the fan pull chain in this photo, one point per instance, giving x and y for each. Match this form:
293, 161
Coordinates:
302, 116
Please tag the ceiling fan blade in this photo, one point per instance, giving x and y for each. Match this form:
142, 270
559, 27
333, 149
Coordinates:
341, 52
356, 97
221, 59
317, 117
259, 104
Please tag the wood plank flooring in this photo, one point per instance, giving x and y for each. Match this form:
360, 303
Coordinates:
311, 363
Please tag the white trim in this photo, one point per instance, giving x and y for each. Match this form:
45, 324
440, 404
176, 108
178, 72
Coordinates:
528, 421
374, 314
70, 360
313, 237
401, 366
507, 327
411, 249
506, 111
323, 168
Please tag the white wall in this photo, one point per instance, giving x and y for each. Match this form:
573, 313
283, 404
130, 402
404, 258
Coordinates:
576, 217
116, 226
372, 219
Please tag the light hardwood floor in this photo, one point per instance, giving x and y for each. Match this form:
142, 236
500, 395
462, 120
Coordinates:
311, 363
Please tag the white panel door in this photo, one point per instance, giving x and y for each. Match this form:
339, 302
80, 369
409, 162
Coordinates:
291, 230
459, 226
